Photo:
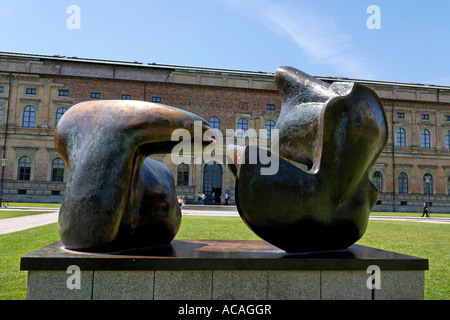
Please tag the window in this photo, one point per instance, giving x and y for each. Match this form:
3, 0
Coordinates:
401, 137
403, 203
447, 118
29, 117
426, 139
1, 114
403, 183
214, 122
58, 170
270, 125
22, 191
377, 179
448, 186
59, 113
427, 184
30, 91
270, 107
156, 99
242, 128
183, 175
425, 117
63, 93
56, 193
126, 97
447, 139
400, 115
1, 89
95, 95
24, 172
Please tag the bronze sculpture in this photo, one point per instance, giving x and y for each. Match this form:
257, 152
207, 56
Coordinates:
320, 198
329, 137
116, 197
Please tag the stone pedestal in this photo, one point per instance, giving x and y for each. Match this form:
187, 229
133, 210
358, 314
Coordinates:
222, 270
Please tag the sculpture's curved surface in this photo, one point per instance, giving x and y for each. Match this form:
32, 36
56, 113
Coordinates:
337, 132
116, 197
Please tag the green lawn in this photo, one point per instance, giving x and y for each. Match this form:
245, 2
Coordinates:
410, 214
38, 205
13, 246
424, 240
6, 214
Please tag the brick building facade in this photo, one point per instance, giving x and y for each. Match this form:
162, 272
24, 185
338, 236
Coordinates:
36, 90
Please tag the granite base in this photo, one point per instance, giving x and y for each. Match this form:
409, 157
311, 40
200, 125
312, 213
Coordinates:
222, 270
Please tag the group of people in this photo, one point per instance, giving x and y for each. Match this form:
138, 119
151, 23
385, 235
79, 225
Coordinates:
223, 198
181, 201
201, 199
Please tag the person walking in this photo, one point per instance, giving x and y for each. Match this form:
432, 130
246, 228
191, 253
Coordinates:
425, 210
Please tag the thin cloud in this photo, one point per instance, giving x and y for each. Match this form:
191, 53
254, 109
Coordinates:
317, 37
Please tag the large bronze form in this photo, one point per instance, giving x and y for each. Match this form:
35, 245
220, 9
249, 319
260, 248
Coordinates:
329, 137
115, 197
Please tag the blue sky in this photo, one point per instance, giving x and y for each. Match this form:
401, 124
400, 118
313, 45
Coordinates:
324, 38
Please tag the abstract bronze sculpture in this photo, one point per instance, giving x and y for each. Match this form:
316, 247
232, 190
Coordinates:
329, 137
320, 198
115, 197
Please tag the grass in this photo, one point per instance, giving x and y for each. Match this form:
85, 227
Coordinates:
425, 240
218, 228
13, 246
34, 205
410, 214
14, 214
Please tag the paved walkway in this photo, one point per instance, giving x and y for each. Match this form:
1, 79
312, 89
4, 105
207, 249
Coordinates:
27, 222
22, 223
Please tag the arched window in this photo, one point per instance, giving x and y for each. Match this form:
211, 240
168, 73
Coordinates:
59, 113
58, 169
242, 128
401, 137
270, 125
214, 122
426, 139
1, 114
403, 183
377, 179
29, 117
447, 139
183, 175
24, 172
427, 184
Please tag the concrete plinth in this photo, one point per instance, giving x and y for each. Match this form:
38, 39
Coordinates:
222, 270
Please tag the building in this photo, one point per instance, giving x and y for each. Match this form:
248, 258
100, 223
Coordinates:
36, 90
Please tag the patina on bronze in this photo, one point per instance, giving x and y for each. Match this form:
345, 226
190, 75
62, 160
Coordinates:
329, 137
115, 197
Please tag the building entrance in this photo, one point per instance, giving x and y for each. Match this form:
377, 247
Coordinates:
212, 182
